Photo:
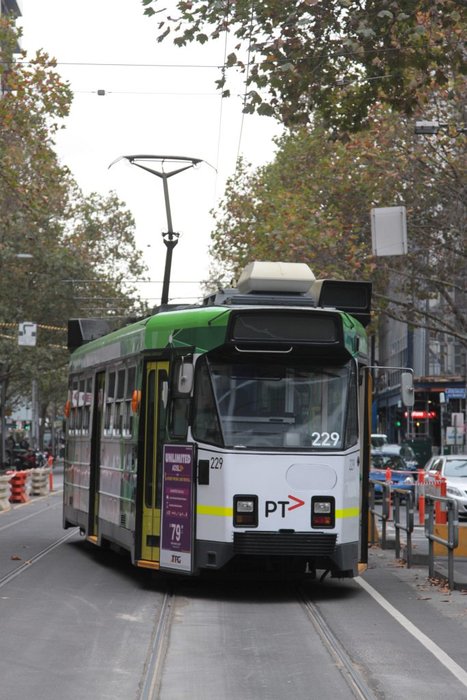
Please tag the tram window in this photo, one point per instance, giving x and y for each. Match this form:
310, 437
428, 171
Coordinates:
205, 419
179, 418
127, 419
118, 418
111, 385
120, 384
86, 419
130, 384
127, 415
284, 405
88, 399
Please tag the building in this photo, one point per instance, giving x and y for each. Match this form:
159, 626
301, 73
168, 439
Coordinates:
439, 364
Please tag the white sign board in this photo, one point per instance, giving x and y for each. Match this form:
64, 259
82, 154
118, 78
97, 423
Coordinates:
27, 334
389, 231
454, 436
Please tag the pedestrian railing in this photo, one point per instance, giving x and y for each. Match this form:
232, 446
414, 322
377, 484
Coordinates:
382, 514
449, 505
403, 500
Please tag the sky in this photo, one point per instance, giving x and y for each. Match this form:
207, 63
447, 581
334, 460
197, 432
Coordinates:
159, 100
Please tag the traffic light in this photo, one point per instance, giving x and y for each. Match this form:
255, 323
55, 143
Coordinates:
398, 418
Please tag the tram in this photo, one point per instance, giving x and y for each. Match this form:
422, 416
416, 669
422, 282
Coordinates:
227, 434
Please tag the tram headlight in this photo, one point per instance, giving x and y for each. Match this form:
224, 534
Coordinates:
245, 511
323, 511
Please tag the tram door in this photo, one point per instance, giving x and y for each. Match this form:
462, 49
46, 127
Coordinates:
155, 411
95, 460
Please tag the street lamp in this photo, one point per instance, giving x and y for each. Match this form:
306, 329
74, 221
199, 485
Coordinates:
170, 237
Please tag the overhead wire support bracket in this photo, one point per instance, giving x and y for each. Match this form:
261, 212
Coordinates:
170, 237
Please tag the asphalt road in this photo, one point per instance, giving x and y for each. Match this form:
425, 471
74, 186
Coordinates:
77, 622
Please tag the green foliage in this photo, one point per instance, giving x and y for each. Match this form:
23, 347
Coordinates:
312, 204
82, 247
334, 58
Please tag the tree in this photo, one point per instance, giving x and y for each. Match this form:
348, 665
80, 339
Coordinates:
312, 204
334, 58
82, 248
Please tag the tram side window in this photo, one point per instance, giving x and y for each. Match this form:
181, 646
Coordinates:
79, 417
179, 418
109, 403
205, 425
87, 406
128, 415
73, 420
119, 403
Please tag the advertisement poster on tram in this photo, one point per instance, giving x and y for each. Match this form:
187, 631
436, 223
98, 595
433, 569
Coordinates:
177, 509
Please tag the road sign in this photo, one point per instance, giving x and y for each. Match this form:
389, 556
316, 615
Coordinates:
454, 435
389, 231
455, 393
27, 333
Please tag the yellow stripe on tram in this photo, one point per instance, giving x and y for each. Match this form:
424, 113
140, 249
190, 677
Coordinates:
218, 511
348, 513
221, 512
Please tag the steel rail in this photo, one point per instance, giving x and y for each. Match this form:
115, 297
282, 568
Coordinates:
27, 564
351, 675
152, 676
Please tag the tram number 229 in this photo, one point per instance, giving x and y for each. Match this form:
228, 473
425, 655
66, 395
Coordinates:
216, 463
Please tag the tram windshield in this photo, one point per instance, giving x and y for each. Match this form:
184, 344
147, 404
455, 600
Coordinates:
264, 405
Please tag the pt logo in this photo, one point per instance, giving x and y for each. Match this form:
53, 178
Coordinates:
176, 559
272, 506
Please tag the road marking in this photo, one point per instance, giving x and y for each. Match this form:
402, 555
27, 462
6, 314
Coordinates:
428, 643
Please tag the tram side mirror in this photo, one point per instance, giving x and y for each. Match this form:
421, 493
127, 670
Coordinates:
407, 392
184, 377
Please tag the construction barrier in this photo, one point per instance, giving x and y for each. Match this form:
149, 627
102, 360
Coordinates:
5, 492
18, 487
429, 485
50, 462
40, 481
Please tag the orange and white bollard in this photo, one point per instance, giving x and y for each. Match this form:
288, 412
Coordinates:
50, 464
443, 516
438, 493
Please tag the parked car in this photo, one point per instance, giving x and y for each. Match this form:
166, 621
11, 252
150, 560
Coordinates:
405, 452
403, 476
454, 469
378, 440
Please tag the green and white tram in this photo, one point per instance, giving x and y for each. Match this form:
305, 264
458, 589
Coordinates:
225, 434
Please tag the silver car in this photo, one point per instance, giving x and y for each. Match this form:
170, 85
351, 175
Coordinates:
454, 469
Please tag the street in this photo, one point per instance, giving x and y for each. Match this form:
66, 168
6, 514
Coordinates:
80, 622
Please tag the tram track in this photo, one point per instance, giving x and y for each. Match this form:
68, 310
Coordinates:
152, 676
353, 677
36, 557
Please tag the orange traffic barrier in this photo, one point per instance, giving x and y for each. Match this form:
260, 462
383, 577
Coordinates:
18, 488
50, 463
443, 516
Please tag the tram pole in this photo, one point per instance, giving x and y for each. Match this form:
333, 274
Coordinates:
170, 238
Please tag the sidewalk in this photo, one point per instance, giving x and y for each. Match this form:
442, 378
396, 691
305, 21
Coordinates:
420, 556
